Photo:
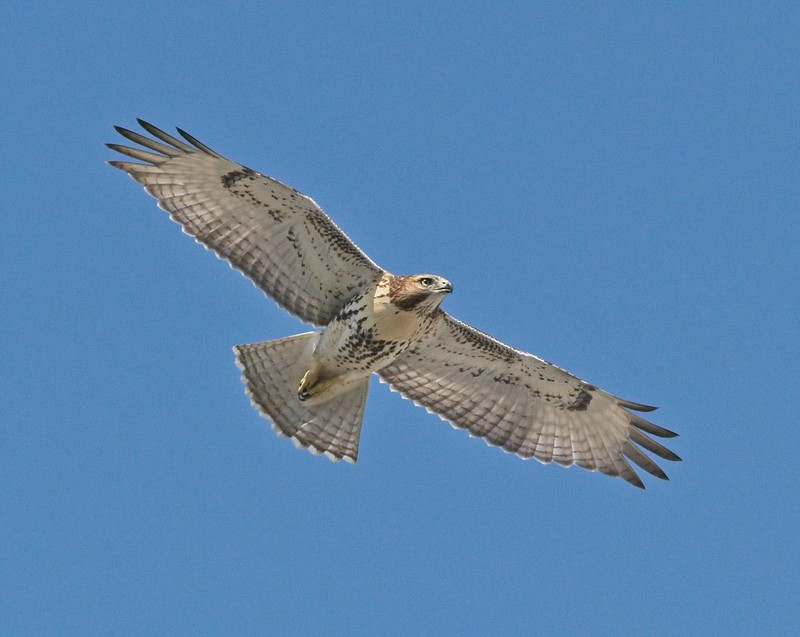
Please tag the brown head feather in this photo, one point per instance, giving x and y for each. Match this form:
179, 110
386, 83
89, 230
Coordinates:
420, 293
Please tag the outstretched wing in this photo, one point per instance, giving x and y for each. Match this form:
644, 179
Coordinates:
274, 235
523, 404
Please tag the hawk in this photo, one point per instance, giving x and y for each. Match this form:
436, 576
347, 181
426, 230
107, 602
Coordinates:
313, 386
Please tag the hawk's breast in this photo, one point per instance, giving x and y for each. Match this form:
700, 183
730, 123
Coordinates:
368, 333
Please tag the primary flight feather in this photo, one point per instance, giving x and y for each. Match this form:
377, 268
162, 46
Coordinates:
313, 386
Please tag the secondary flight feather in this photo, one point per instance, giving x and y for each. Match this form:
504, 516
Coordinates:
313, 386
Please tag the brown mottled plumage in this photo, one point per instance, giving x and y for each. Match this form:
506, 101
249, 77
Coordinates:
313, 386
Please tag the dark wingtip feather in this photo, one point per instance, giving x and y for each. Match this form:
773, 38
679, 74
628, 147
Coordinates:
196, 143
649, 427
628, 404
637, 482
126, 133
150, 128
130, 167
165, 137
664, 433
634, 454
641, 439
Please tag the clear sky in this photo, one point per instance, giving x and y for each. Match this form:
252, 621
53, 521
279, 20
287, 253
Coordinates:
611, 186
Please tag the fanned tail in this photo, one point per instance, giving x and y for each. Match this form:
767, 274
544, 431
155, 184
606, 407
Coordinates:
271, 373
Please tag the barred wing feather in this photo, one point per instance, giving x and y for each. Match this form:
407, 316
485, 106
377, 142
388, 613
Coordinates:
524, 404
276, 236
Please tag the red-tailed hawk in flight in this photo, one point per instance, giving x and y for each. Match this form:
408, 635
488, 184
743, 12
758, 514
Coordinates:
313, 386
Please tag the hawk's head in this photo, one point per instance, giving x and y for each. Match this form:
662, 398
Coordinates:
418, 292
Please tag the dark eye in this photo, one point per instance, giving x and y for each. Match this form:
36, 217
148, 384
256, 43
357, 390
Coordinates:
426, 281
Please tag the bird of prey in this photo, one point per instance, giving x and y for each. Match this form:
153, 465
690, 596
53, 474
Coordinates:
313, 386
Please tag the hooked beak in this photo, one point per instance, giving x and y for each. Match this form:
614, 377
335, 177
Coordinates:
445, 287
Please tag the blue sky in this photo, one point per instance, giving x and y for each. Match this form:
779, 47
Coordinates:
613, 187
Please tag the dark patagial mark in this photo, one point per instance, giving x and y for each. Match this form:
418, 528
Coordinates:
333, 236
228, 179
483, 343
581, 403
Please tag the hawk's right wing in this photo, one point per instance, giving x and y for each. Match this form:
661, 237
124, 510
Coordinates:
273, 234
522, 403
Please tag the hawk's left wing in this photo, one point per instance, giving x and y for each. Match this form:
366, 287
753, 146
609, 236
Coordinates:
274, 235
522, 403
